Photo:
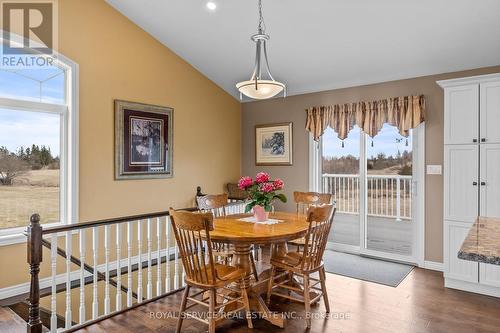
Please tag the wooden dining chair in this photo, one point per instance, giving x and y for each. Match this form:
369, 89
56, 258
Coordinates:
216, 204
192, 234
304, 263
304, 200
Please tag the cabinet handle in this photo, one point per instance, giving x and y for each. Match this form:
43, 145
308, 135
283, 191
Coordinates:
474, 183
483, 140
483, 183
474, 140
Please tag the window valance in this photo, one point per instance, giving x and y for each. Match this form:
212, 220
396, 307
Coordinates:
404, 112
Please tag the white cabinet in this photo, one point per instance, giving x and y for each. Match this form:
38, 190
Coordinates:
455, 268
461, 182
471, 175
490, 180
490, 112
461, 116
489, 275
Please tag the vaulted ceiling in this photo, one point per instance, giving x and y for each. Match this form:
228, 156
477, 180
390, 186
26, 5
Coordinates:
325, 44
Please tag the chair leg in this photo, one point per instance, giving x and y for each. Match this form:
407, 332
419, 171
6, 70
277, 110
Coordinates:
254, 268
322, 277
307, 300
211, 311
270, 285
182, 309
248, 313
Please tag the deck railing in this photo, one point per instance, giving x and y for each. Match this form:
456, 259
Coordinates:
136, 257
387, 195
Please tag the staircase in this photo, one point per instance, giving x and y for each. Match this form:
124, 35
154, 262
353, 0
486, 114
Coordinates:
10, 322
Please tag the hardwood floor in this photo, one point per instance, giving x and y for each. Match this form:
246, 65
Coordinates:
419, 304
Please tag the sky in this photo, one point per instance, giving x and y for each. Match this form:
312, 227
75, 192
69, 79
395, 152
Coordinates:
387, 141
24, 128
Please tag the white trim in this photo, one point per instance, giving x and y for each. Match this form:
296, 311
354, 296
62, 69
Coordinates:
75, 274
314, 165
419, 187
433, 266
468, 80
472, 287
22, 105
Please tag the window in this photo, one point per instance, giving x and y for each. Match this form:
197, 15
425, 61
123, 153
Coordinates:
38, 145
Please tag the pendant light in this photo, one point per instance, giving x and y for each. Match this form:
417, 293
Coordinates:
259, 86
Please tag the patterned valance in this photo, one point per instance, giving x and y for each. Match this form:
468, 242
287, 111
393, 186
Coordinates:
404, 112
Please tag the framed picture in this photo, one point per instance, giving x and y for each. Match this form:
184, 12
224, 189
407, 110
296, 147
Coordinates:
273, 144
143, 141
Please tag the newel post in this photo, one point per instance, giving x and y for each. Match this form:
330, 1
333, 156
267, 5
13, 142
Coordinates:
34, 259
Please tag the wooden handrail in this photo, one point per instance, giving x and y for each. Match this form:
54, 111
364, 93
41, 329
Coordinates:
34, 259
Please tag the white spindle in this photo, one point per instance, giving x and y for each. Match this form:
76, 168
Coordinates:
150, 275
106, 264
82, 277
95, 301
139, 261
176, 268
53, 297
68, 316
167, 261
158, 256
118, 268
404, 197
129, 264
398, 199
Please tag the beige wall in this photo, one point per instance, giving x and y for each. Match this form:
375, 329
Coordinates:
118, 60
293, 109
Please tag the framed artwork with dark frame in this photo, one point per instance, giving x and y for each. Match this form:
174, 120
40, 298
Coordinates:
273, 144
143, 141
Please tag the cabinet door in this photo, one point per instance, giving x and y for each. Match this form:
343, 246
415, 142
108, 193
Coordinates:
489, 274
461, 182
454, 235
489, 177
461, 114
490, 112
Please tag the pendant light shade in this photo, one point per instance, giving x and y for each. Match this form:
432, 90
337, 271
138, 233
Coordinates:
260, 86
261, 90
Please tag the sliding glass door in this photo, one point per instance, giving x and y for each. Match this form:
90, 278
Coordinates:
373, 182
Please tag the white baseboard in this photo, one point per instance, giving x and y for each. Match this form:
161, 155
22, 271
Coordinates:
472, 287
433, 266
23, 288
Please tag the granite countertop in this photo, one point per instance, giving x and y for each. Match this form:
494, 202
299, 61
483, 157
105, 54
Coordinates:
482, 244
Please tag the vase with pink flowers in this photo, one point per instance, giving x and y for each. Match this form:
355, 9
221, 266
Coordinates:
261, 193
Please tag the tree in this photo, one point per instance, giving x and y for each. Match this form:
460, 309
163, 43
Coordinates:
11, 167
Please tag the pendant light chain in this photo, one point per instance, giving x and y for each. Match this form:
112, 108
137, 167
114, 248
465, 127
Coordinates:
262, 24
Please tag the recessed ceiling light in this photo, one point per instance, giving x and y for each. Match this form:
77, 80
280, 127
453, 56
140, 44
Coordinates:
211, 5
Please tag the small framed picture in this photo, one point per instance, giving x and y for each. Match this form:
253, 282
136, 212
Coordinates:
273, 144
143, 141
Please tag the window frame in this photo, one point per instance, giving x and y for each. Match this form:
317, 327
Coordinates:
69, 144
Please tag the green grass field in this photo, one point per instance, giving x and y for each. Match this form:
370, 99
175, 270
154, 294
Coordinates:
34, 192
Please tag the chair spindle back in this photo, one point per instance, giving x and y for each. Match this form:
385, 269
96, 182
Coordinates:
304, 200
320, 220
215, 203
192, 233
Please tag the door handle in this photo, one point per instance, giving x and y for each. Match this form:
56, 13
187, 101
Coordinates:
474, 140
483, 140
474, 183
483, 183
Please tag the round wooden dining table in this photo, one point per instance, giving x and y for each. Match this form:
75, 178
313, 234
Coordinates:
243, 235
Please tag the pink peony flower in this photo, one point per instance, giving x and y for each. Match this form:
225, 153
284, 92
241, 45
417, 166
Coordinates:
278, 184
267, 187
262, 177
245, 182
